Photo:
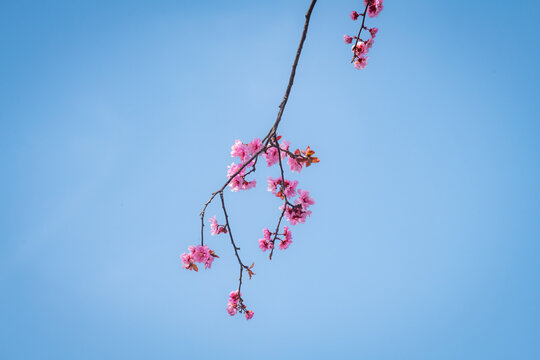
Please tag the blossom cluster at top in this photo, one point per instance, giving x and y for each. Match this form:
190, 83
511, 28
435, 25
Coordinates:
198, 254
361, 47
236, 305
267, 243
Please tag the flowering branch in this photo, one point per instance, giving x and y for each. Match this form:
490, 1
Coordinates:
361, 47
296, 202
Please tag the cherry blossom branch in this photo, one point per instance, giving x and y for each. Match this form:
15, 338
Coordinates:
296, 202
360, 31
361, 47
202, 254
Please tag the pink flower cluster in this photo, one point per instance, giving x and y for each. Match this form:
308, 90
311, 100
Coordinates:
298, 212
295, 210
198, 254
244, 152
216, 229
287, 188
235, 305
374, 7
267, 243
271, 154
361, 47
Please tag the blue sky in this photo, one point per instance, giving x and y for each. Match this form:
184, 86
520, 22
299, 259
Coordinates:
116, 121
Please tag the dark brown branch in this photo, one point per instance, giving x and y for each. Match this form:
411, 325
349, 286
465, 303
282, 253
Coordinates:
273, 130
236, 248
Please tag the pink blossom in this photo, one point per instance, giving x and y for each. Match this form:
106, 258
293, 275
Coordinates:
287, 233
347, 39
296, 214
361, 63
234, 296
369, 44
249, 184
208, 262
233, 168
213, 226
271, 156
231, 309
267, 234
273, 184
374, 7
294, 165
304, 199
287, 188
354, 15
290, 188
187, 260
254, 146
198, 254
360, 49
249, 314
239, 182
284, 244
373, 31
239, 149
201, 253
284, 146
265, 244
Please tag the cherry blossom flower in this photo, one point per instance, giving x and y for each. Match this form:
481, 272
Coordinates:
187, 260
360, 49
354, 15
239, 182
271, 156
304, 199
235, 295
369, 44
286, 188
361, 63
296, 214
347, 39
213, 225
201, 253
249, 314
265, 245
374, 7
254, 146
284, 244
294, 164
239, 149
198, 254
287, 233
267, 234
231, 309
373, 31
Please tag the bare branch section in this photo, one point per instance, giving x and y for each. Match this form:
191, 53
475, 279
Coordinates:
237, 299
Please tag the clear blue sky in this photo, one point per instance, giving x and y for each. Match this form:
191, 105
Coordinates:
116, 121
